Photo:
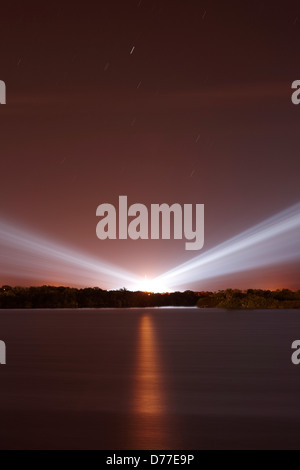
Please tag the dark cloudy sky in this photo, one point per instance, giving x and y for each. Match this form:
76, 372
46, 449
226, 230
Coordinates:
162, 101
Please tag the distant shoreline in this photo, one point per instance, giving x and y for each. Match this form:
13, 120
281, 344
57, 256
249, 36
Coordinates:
52, 297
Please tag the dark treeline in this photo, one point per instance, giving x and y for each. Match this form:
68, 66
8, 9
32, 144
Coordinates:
68, 297
249, 299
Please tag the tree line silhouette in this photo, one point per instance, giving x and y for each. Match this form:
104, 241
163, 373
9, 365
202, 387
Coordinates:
250, 299
94, 297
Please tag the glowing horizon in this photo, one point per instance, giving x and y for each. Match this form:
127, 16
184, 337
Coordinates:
272, 242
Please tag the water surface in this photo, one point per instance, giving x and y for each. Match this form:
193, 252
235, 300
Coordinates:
149, 379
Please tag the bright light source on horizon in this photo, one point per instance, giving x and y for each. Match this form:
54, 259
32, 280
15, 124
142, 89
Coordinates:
151, 285
28, 256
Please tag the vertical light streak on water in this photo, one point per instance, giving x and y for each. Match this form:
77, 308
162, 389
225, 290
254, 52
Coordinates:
150, 426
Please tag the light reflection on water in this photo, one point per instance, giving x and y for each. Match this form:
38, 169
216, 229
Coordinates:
149, 400
149, 395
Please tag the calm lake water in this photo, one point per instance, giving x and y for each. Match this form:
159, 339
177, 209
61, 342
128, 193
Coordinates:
149, 379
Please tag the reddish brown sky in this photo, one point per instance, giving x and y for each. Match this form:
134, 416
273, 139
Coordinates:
163, 101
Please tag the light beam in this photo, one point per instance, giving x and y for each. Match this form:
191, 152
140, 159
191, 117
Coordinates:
274, 241
28, 256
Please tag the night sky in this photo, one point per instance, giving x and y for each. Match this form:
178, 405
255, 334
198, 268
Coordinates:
162, 101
